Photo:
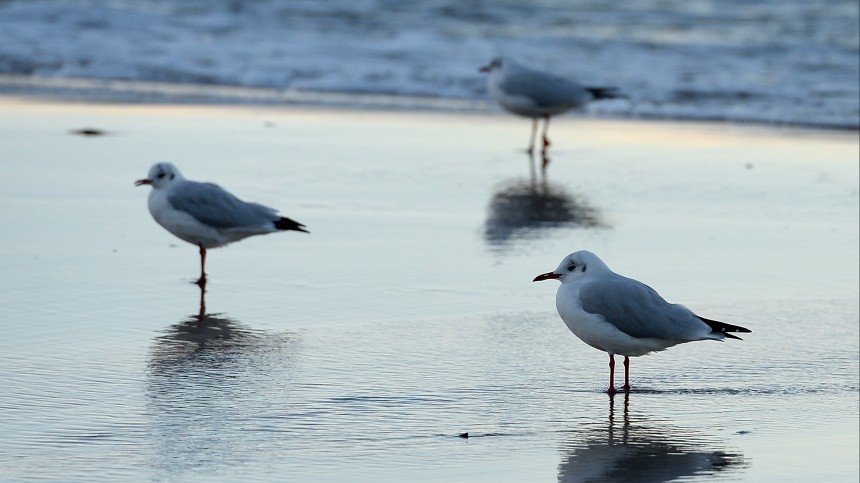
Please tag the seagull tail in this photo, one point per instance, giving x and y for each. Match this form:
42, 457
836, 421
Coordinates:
605, 93
724, 328
284, 223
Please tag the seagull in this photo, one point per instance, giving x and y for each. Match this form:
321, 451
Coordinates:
206, 215
623, 316
531, 93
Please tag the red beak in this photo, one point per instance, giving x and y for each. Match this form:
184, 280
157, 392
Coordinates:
142, 182
547, 276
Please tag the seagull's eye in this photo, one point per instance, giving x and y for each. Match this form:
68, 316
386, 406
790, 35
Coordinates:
160, 175
571, 267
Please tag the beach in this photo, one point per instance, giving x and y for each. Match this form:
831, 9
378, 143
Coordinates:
407, 318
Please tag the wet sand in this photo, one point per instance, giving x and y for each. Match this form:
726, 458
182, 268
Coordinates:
408, 315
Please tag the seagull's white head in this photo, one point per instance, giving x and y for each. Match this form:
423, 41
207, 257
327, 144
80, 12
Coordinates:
575, 266
160, 175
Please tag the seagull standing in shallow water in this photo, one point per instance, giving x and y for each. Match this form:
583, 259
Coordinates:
206, 215
531, 93
623, 316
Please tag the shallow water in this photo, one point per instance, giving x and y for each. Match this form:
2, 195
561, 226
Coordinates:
408, 317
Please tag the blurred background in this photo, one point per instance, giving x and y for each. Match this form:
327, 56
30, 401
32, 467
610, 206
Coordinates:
779, 62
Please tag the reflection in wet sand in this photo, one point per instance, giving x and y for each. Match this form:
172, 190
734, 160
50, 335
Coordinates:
210, 385
636, 449
523, 208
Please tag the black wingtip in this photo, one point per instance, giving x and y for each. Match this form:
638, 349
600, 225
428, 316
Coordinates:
725, 328
606, 93
285, 223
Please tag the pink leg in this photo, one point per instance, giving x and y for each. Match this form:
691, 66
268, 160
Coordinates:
626, 374
611, 389
546, 142
534, 133
202, 280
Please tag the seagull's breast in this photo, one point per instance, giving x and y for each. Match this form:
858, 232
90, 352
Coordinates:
595, 331
515, 103
181, 224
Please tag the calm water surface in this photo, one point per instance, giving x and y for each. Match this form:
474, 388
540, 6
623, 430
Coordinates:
407, 317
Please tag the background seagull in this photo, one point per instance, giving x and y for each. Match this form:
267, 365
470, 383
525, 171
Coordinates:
531, 93
205, 214
623, 316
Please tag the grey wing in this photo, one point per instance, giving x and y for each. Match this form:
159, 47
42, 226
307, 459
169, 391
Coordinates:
639, 311
546, 90
210, 204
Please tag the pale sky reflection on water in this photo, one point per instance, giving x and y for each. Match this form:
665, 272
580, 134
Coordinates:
364, 349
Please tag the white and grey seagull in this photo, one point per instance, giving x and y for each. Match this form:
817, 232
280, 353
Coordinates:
538, 95
206, 215
619, 315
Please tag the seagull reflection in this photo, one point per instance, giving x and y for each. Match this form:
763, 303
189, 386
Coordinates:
634, 451
524, 208
213, 384
204, 341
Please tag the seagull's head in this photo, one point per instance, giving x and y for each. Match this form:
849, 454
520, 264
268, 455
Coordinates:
495, 64
575, 266
160, 175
